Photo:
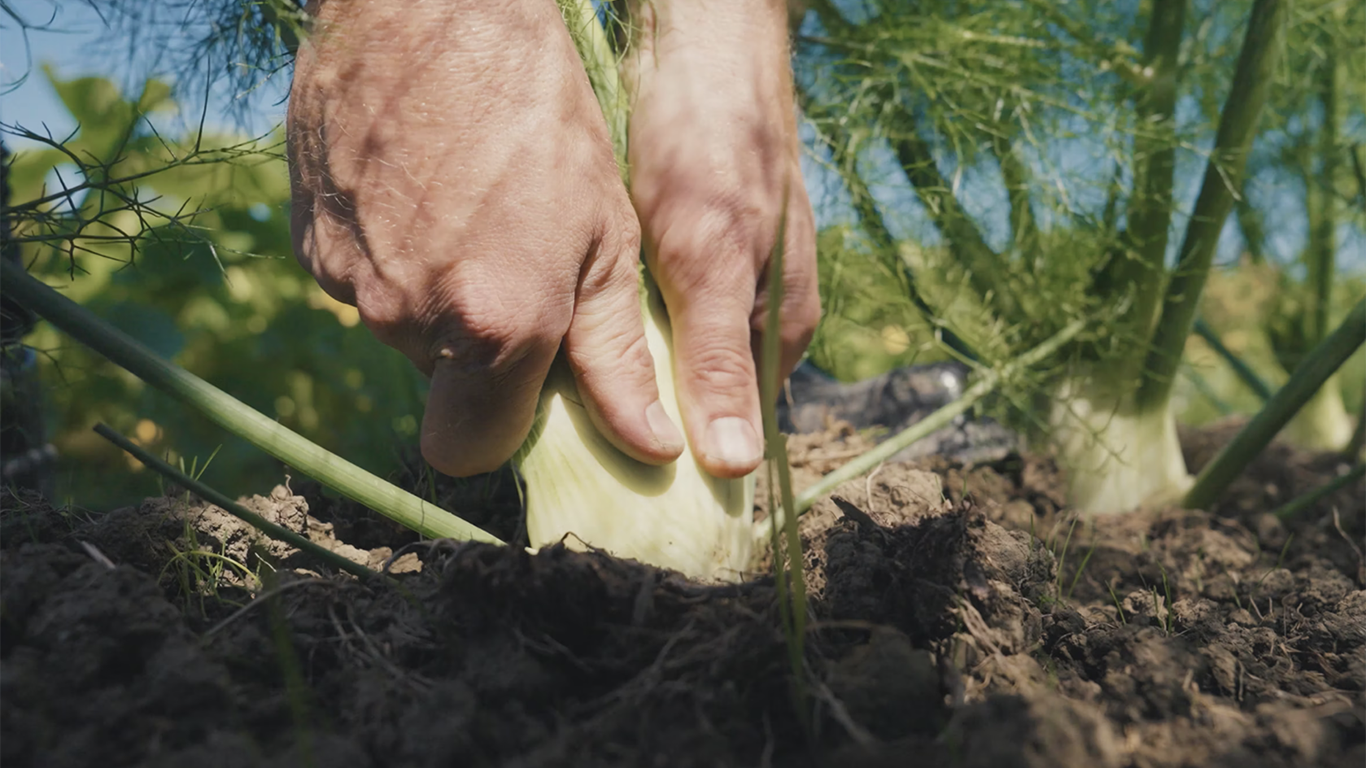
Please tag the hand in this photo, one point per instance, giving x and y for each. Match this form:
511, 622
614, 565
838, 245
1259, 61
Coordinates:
454, 180
713, 148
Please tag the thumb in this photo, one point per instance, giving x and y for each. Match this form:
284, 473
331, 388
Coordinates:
480, 407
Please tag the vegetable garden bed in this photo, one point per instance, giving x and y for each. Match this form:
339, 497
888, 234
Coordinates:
961, 617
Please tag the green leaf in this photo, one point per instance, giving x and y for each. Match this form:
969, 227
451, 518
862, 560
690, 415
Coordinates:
108, 121
101, 111
156, 97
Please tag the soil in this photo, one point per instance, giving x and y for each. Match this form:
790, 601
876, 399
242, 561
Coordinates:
961, 616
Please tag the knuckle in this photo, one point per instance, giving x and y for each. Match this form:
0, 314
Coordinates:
801, 237
622, 232
341, 290
609, 279
384, 318
383, 312
800, 319
490, 329
706, 280
623, 360
803, 305
304, 235
728, 223
326, 253
636, 355
719, 366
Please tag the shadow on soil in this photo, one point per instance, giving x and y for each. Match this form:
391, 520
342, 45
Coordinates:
962, 617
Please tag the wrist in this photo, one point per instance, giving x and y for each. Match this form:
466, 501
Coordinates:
761, 23
454, 25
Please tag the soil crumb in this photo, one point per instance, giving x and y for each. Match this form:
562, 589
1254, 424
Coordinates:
961, 615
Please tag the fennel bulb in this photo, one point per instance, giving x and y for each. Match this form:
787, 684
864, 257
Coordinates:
1323, 423
1118, 457
582, 490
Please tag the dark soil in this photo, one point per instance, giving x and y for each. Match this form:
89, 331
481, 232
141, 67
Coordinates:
962, 617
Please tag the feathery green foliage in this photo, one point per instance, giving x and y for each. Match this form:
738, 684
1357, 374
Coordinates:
1035, 154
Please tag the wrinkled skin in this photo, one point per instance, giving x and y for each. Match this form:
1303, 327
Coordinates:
453, 179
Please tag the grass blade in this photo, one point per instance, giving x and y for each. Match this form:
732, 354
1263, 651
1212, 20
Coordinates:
787, 560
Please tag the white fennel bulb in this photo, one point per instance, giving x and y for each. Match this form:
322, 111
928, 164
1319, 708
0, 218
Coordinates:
582, 490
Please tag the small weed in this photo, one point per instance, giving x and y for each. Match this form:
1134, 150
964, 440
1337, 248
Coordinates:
1081, 568
1280, 563
194, 472
1167, 622
199, 571
1233, 579
1062, 556
1119, 606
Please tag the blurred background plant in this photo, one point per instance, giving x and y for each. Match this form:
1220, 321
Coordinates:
184, 244
1312, 147
983, 172
1013, 166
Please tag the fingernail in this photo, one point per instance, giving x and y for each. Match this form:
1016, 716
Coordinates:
663, 427
731, 441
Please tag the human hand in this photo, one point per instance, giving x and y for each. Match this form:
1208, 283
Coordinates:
454, 180
713, 149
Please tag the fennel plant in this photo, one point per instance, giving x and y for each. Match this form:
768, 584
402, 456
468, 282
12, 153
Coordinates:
939, 104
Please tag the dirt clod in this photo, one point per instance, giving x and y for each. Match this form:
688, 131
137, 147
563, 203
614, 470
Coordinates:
960, 616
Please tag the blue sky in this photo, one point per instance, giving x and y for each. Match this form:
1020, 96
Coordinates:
76, 42
25, 97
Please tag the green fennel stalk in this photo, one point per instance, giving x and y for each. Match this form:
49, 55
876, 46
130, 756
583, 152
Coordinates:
1318, 366
260, 430
1111, 421
208, 494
